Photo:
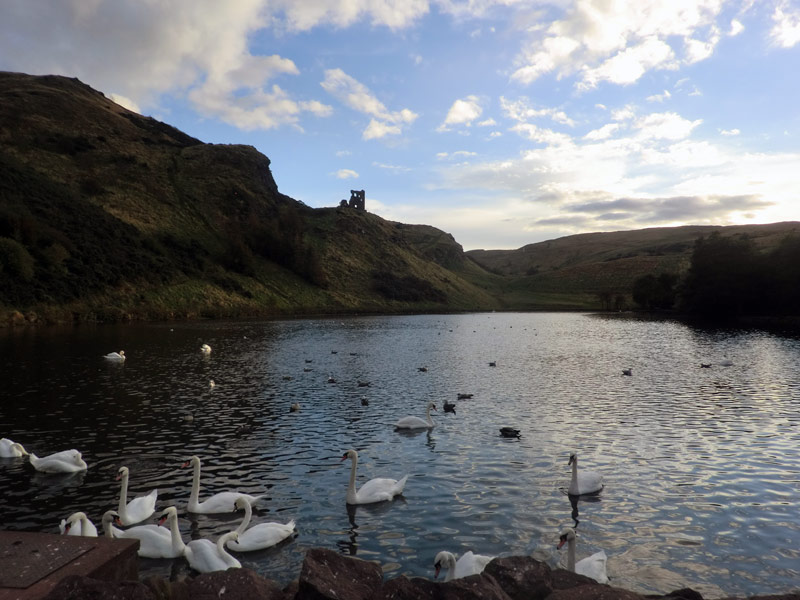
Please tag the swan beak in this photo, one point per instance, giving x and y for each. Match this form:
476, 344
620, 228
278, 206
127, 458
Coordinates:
186, 464
561, 542
161, 520
571, 459
438, 567
344, 456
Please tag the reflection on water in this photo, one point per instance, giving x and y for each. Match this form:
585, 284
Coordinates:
701, 467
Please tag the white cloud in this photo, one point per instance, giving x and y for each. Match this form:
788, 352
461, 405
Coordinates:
603, 133
462, 112
729, 132
346, 174
619, 41
304, 15
521, 110
736, 28
659, 97
357, 96
786, 30
143, 50
487, 123
125, 102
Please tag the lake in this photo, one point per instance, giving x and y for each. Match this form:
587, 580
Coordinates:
701, 465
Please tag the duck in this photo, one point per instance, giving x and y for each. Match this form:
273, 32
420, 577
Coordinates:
138, 509
205, 556
468, 564
593, 566
417, 422
205, 349
77, 524
493, 363
449, 407
627, 372
422, 369
374, 490
115, 356
464, 396
509, 432
66, 461
331, 379
155, 541
220, 502
364, 401
294, 407
585, 482
260, 536
11, 449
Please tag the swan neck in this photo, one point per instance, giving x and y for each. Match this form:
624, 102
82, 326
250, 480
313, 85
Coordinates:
451, 568
177, 540
123, 495
574, 482
428, 415
248, 514
351, 488
195, 494
571, 555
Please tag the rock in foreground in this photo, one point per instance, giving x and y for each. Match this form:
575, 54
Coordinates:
328, 575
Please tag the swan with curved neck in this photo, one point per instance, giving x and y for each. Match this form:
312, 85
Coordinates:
220, 502
116, 356
417, 422
11, 449
154, 541
260, 536
66, 461
593, 566
78, 524
205, 556
583, 482
138, 509
468, 564
374, 490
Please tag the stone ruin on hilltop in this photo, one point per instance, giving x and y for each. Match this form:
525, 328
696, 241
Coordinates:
357, 200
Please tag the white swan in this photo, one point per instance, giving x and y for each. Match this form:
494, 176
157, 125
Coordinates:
205, 349
585, 482
374, 490
138, 509
11, 449
205, 556
468, 564
258, 537
154, 541
116, 356
417, 422
593, 566
220, 502
66, 461
77, 524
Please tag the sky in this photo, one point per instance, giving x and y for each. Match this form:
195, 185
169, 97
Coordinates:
501, 122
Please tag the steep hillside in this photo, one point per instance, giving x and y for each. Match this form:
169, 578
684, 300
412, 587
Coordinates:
106, 214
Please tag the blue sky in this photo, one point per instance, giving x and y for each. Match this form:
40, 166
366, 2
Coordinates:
501, 122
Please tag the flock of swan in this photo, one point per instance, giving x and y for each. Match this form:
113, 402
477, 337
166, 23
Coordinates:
203, 555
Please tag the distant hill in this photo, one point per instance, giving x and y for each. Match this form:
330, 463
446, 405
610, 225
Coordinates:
586, 265
109, 215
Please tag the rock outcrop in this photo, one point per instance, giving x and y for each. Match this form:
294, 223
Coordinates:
328, 575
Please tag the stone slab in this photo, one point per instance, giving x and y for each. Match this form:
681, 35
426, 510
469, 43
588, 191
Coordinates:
31, 564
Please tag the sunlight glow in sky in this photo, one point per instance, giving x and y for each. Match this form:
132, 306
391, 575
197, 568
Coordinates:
503, 122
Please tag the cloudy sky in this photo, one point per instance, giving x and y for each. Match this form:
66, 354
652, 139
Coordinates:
503, 122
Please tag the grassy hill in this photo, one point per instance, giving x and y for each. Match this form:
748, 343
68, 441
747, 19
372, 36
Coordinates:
572, 271
109, 215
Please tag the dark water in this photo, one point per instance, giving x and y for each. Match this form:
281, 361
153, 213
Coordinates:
701, 465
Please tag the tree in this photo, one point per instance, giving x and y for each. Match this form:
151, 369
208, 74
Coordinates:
655, 292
